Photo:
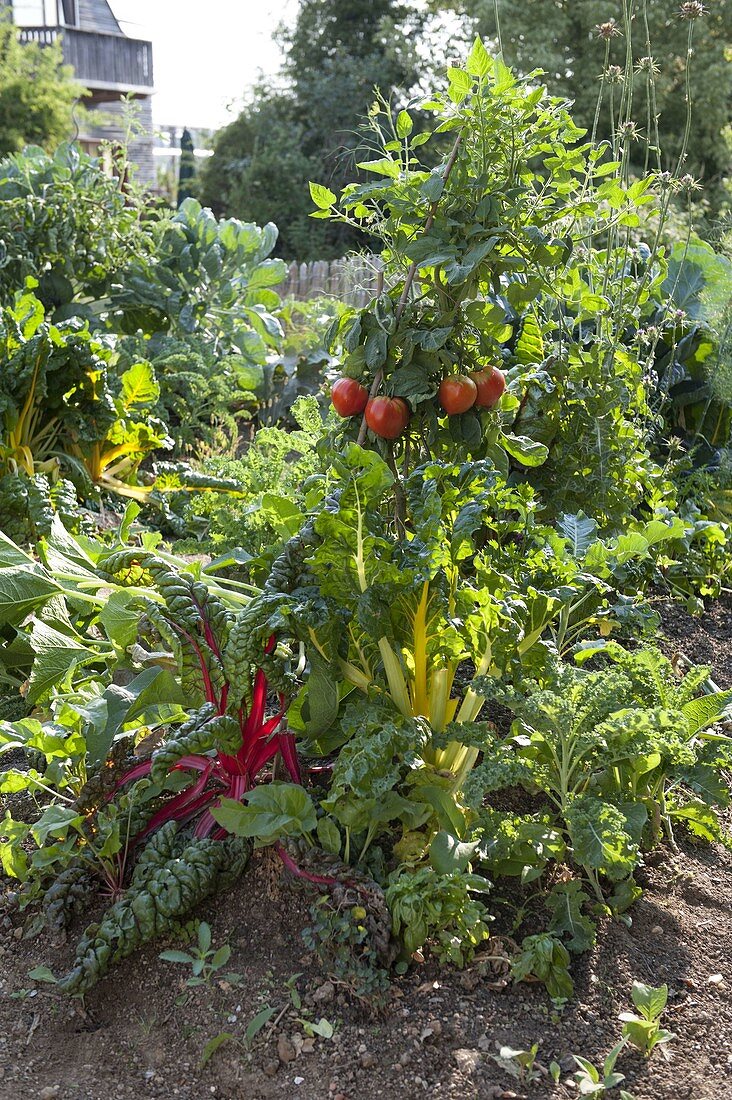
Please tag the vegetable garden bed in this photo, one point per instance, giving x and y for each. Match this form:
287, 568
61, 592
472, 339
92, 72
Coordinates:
145, 1034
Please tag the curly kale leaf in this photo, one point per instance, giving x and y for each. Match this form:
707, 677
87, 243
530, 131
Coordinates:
605, 837
565, 902
646, 739
512, 844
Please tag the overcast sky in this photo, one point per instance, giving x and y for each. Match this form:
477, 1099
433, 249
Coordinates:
204, 54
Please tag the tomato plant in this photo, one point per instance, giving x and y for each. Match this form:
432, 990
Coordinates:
387, 416
457, 394
349, 397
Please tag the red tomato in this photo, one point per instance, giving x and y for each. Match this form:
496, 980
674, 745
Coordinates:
457, 393
348, 396
491, 383
387, 416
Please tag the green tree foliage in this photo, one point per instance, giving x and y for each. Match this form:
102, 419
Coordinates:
565, 38
187, 169
337, 52
37, 93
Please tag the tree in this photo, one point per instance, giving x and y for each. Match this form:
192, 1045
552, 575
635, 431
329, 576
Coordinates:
37, 93
187, 169
567, 38
337, 52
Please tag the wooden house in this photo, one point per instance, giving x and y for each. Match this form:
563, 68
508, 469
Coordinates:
105, 60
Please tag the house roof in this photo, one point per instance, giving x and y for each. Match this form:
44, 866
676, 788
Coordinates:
97, 15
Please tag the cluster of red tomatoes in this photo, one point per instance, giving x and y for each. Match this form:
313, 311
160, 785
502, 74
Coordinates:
387, 417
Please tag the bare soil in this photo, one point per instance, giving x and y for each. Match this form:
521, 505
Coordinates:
143, 1033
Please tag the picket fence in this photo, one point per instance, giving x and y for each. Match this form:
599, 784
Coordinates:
352, 279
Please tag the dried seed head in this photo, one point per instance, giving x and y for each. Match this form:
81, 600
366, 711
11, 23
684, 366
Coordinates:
692, 9
614, 74
608, 30
629, 131
647, 65
688, 183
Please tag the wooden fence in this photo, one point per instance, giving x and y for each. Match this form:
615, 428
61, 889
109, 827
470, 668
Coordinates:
352, 279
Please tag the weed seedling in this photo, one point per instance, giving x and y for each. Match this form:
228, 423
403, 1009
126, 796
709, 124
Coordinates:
643, 1028
203, 960
519, 1063
591, 1081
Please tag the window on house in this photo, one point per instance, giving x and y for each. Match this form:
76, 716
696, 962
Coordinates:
68, 10
35, 13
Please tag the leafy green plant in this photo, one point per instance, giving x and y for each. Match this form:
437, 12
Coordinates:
205, 962
609, 749
592, 1081
172, 876
543, 958
206, 277
519, 1063
343, 944
438, 911
274, 478
68, 224
403, 598
643, 1027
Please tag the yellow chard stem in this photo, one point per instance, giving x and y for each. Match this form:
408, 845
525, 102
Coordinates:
439, 696
395, 678
421, 697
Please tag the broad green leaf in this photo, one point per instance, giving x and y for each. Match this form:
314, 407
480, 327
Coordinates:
478, 63
565, 904
384, 166
707, 710
23, 589
176, 956
460, 84
139, 386
323, 197
13, 859
448, 854
530, 344
649, 1000
329, 836
55, 654
699, 819
259, 1021
42, 974
526, 451
11, 555
120, 617
580, 530
270, 813
404, 124
55, 821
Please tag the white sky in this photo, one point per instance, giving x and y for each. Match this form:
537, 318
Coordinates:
205, 55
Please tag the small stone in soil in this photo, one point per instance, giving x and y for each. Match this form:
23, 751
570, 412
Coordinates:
285, 1049
324, 993
467, 1060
